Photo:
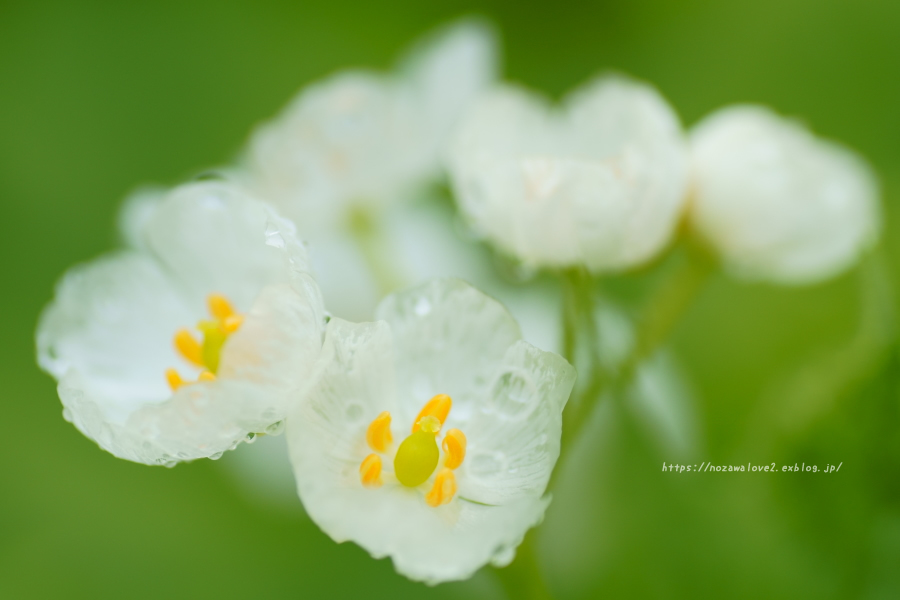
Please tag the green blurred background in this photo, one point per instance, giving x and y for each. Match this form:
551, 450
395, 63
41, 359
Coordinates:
97, 97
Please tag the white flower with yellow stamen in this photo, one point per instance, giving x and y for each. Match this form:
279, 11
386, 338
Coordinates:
777, 202
430, 435
185, 344
600, 182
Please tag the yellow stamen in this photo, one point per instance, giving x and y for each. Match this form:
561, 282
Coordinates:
231, 323
378, 435
206, 376
370, 471
174, 379
418, 455
214, 339
189, 347
454, 448
219, 306
443, 490
438, 407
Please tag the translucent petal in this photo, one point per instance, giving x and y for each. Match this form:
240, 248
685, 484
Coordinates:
327, 429
447, 338
112, 323
447, 70
211, 237
514, 434
777, 202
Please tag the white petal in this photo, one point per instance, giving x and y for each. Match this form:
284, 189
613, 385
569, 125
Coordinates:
448, 337
136, 212
448, 70
601, 183
355, 385
112, 323
514, 436
776, 202
213, 238
326, 437
350, 139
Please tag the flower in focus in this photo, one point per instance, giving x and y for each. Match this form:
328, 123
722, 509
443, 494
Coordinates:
431, 434
187, 343
350, 147
600, 182
775, 201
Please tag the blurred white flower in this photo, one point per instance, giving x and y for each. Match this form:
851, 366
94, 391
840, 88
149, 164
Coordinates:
134, 377
495, 410
776, 202
352, 147
600, 182
361, 140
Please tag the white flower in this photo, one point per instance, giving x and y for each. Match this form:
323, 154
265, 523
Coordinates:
600, 182
360, 140
134, 377
495, 409
778, 203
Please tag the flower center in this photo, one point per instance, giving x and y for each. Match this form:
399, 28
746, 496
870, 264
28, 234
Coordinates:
418, 456
206, 354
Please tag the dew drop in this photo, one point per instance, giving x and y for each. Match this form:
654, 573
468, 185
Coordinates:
513, 396
251, 437
273, 236
213, 202
216, 456
423, 307
353, 412
275, 428
486, 465
67, 415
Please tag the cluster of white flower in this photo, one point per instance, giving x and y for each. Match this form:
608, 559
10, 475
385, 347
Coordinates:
428, 435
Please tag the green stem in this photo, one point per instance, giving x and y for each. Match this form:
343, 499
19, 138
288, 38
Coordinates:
660, 315
664, 310
367, 235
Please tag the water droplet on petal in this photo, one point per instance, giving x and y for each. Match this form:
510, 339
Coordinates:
353, 412
273, 236
275, 428
216, 456
423, 307
513, 396
486, 465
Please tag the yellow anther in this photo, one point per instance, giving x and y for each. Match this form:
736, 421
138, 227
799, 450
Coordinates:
370, 471
438, 407
378, 435
189, 347
208, 353
219, 306
454, 446
231, 323
174, 379
443, 490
